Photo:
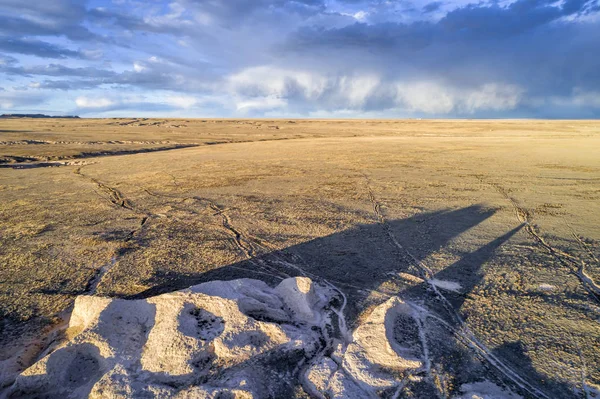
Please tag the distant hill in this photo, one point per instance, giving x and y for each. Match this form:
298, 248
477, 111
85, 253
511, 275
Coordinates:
12, 116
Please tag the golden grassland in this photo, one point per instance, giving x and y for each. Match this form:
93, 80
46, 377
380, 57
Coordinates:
136, 207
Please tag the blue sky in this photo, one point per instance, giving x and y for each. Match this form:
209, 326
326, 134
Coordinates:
303, 58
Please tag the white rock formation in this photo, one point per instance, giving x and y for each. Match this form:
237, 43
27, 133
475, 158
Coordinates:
373, 362
240, 338
486, 390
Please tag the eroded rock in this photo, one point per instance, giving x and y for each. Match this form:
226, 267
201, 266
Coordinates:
237, 338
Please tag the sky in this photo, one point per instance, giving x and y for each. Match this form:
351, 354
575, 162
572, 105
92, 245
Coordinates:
302, 58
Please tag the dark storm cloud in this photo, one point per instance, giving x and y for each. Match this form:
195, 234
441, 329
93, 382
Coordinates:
21, 26
7, 60
150, 76
528, 43
37, 48
469, 24
67, 84
63, 10
44, 18
367, 37
523, 15
56, 70
111, 19
235, 10
431, 7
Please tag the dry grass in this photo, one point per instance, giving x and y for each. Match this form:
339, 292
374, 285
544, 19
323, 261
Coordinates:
447, 190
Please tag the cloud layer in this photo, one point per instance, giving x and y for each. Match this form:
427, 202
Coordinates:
350, 58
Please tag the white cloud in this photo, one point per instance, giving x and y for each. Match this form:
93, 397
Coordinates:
268, 81
493, 96
584, 98
138, 67
357, 89
426, 97
93, 102
93, 54
180, 101
261, 104
156, 100
361, 16
438, 98
269, 87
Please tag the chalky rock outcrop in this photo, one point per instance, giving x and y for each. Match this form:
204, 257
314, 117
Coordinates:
374, 362
240, 339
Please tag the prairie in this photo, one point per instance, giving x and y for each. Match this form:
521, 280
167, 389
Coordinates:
492, 226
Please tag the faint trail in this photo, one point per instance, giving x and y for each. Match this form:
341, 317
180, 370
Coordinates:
113, 195
116, 198
585, 246
418, 317
401, 386
564, 258
92, 285
173, 178
171, 197
244, 244
426, 272
584, 372
248, 245
239, 239
463, 333
588, 281
253, 247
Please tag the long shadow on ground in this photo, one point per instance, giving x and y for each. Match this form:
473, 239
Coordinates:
359, 260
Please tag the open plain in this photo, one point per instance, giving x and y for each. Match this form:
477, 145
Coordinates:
486, 233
